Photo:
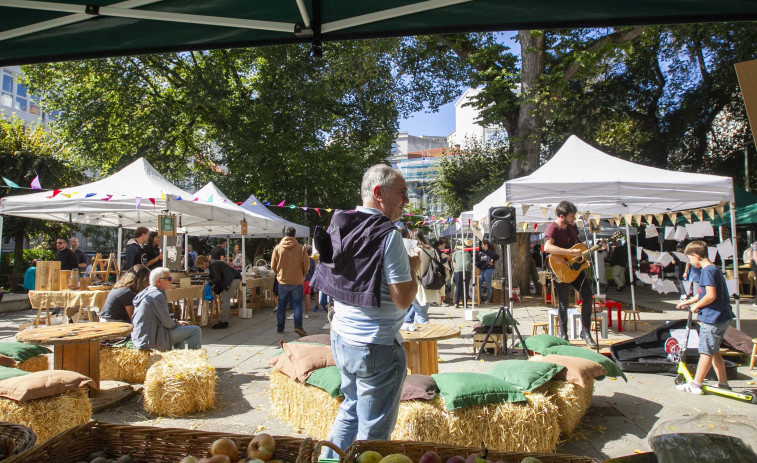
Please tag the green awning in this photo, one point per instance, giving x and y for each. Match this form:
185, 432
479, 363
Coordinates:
39, 31
746, 209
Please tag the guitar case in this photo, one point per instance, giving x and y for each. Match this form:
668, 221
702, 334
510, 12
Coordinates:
646, 354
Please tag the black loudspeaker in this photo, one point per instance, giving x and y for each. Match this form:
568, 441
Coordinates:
502, 225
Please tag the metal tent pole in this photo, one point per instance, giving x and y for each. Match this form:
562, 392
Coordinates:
737, 296
630, 266
119, 245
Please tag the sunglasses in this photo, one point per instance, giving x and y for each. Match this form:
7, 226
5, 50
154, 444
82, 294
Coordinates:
60, 242
166, 278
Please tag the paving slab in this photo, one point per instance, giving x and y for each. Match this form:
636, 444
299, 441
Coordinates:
619, 422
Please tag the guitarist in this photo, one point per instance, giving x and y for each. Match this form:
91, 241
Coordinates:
560, 236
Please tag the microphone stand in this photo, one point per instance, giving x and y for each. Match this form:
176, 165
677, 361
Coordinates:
590, 258
505, 311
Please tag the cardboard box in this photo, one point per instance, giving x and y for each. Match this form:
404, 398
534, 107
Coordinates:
245, 313
494, 342
48, 276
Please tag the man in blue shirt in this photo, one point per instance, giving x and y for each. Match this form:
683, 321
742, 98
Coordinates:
365, 339
712, 304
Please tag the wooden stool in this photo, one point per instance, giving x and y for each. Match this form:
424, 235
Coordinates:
631, 316
494, 342
544, 326
754, 353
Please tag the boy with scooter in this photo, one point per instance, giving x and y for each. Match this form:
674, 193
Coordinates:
712, 304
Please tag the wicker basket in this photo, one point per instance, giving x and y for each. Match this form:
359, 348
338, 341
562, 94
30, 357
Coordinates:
14, 439
148, 444
415, 451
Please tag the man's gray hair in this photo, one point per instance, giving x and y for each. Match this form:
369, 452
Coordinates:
289, 231
158, 272
378, 175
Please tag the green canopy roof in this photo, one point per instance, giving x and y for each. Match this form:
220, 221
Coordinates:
746, 209
39, 31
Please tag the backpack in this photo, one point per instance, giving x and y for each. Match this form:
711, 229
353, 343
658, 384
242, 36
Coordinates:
435, 276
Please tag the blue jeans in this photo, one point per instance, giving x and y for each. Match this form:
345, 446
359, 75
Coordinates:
323, 301
289, 294
417, 313
190, 335
372, 378
486, 275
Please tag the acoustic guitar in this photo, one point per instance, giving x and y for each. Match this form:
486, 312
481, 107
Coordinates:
567, 268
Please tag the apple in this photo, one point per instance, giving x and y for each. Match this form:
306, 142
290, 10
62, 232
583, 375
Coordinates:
396, 458
430, 457
261, 446
475, 458
456, 459
369, 456
225, 446
216, 459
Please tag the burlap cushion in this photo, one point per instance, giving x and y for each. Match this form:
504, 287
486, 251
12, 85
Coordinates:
419, 387
302, 359
317, 339
282, 363
577, 370
6, 361
43, 384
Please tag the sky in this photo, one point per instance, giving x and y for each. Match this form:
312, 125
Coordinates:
442, 123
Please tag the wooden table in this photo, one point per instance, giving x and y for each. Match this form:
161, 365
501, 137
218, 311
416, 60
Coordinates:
77, 345
67, 299
420, 346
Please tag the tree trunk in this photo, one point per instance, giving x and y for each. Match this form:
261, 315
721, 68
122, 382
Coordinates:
526, 141
521, 262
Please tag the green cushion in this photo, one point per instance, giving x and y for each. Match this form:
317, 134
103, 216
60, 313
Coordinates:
19, 351
487, 318
6, 373
126, 343
611, 367
523, 374
329, 379
542, 342
469, 389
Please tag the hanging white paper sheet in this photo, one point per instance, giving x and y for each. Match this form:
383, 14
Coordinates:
682, 257
725, 249
669, 286
693, 230
712, 253
644, 277
680, 233
657, 285
670, 233
639, 251
664, 259
651, 231
653, 256
706, 229
687, 286
733, 286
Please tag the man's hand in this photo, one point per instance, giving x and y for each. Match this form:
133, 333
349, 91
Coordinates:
182, 323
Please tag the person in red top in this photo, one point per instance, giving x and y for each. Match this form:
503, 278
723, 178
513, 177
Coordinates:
561, 235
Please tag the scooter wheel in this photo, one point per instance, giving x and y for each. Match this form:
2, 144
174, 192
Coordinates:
680, 380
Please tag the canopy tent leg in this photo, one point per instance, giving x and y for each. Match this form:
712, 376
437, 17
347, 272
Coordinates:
244, 277
163, 250
1, 234
596, 265
722, 261
735, 241
186, 252
119, 242
630, 266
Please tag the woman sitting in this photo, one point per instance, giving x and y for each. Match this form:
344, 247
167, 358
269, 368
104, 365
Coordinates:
119, 306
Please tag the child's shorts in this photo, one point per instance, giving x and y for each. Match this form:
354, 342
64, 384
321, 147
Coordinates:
710, 336
306, 289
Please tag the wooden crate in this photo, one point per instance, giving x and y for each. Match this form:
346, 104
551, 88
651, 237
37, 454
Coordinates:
494, 342
48, 276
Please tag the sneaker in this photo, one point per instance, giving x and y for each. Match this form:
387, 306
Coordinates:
326, 327
220, 326
724, 386
279, 331
690, 388
291, 317
300, 332
307, 316
275, 309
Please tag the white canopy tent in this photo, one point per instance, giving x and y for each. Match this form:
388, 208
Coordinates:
130, 198
256, 207
601, 184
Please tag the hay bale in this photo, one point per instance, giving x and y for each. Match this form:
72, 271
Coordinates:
421, 421
37, 363
572, 401
302, 406
123, 364
180, 383
49, 416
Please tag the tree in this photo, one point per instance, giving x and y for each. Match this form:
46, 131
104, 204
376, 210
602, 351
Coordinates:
286, 126
24, 153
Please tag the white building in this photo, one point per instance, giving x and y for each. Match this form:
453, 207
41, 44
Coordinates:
466, 126
15, 100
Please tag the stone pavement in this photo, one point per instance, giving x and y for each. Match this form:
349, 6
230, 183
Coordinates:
619, 422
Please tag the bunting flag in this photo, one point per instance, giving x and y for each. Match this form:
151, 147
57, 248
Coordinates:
636, 218
700, 214
612, 221
266, 203
10, 183
210, 199
195, 199
525, 208
304, 208
89, 195
544, 211
318, 211
292, 206
137, 201
507, 203
281, 204
162, 195
524, 225
35, 183
710, 212
107, 197
673, 216
686, 215
596, 217
629, 219
240, 203
660, 218
720, 208
67, 195
329, 210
